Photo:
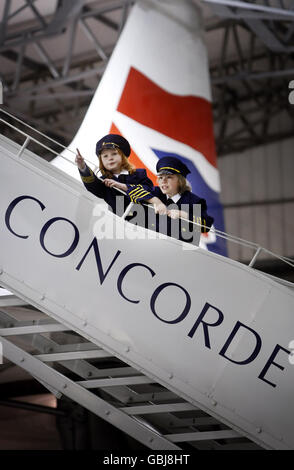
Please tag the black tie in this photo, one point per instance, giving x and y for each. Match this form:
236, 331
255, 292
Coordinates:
122, 178
169, 201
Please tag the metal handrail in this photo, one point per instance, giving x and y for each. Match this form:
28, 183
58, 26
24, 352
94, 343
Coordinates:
219, 233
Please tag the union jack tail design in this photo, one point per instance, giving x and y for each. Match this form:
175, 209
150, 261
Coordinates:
156, 93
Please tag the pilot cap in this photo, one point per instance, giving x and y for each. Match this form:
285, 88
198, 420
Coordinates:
171, 166
113, 141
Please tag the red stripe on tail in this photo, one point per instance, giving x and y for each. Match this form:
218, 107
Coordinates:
187, 119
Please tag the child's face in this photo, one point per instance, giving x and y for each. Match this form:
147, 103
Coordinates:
111, 160
169, 184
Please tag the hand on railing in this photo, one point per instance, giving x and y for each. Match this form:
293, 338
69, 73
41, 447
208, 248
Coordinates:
110, 183
158, 206
177, 214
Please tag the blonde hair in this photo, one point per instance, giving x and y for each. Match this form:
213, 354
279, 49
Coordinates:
184, 185
125, 165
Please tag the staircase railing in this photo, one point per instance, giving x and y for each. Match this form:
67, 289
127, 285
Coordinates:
258, 249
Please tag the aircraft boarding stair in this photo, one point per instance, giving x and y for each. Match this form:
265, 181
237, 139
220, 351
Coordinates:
135, 403
178, 348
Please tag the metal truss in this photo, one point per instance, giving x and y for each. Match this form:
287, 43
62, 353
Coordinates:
250, 79
69, 365
64, 84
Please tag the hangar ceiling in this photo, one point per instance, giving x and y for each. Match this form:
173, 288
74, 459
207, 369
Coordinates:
53, 54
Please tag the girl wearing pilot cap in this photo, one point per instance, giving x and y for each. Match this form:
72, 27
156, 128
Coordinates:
113, 151
174, 189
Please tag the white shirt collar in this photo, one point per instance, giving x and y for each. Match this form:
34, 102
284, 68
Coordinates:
175, 198
123, 172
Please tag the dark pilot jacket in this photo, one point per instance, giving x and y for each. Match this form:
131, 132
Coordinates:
182, 229
138, 184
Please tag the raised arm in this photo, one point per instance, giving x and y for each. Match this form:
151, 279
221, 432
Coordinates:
89, 179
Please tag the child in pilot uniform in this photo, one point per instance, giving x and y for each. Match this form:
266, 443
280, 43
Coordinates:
113, 151
174, 191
